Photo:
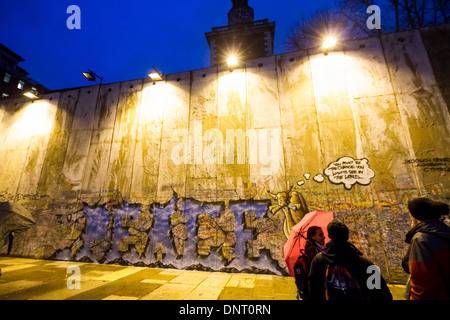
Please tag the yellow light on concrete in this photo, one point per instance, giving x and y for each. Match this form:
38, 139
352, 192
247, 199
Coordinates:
31, 95
232, 61
35, 119
331, 80
153, 103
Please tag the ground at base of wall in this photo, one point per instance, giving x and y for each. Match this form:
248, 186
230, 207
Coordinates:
32, 279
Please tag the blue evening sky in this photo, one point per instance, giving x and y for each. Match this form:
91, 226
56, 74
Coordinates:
122, 40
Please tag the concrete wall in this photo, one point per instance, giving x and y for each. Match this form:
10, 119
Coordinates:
204, 170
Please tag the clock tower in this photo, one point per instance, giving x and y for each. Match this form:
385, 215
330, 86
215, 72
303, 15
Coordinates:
243, 36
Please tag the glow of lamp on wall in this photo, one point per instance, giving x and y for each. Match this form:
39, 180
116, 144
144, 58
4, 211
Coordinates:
153, 103
36, 119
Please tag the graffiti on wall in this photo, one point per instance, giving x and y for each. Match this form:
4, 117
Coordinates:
291, 205
349, 171
430, 164
185, 233
346, 171
233, 236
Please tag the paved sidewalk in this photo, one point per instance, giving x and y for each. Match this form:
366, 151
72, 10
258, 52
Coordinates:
31, 279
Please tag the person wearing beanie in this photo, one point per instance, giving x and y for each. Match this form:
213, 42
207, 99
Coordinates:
429, 251
340, 252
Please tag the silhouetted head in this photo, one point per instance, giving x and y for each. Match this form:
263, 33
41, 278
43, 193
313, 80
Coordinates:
337, 231
425, 209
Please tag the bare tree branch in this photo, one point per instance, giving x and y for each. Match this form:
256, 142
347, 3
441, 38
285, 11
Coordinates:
349, 20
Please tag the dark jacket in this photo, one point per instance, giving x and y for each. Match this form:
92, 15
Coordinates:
310, 250
405, 260
429, 260
347, 255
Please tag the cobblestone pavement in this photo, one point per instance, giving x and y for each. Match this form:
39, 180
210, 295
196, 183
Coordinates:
31, 279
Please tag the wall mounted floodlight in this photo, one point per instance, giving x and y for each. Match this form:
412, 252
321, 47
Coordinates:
155, 75
328, 44
232, 61
33, 94
91, 76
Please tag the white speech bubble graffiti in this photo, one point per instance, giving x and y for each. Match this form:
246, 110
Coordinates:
319, 178
349, 171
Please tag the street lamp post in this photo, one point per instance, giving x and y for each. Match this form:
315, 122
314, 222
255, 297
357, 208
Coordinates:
91, 76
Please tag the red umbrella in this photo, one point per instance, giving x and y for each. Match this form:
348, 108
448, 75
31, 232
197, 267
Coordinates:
295, 245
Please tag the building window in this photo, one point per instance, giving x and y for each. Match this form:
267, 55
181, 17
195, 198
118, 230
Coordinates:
7, 77
20, 85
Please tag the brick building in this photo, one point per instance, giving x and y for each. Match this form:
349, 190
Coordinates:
14, 80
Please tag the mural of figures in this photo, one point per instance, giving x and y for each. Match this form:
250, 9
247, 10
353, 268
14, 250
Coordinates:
292, 205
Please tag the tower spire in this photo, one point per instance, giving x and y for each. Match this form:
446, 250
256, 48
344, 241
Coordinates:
240, 13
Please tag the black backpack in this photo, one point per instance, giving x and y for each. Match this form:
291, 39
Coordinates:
301, 273
301, 276
340, 284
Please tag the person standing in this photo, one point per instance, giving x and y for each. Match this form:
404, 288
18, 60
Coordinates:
11, 238
429, 251
315, 240
314, 244
340, 272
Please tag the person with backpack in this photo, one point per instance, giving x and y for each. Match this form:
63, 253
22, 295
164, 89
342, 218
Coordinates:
429, 251
315, 241
340, 272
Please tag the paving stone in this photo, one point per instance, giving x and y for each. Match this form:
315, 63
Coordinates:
18, 285
155, 281
236, 293
119, 297
170, 291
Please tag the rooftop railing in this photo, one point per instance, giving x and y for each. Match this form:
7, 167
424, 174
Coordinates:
254, 23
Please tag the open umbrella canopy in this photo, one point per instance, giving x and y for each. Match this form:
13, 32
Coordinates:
13, 217
295, 245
